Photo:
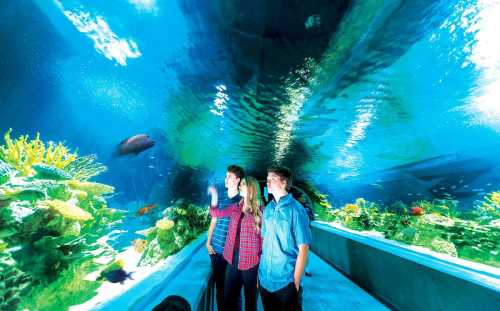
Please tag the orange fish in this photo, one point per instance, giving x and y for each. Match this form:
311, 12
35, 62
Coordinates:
146, 209
417, 211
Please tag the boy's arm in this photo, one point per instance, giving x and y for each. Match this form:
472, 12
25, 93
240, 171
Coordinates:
303, 238
300, 264
210, 249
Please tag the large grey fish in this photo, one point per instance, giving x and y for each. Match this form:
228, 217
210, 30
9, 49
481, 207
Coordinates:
134, 145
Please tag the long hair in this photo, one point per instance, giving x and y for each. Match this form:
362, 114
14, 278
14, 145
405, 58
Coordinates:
254, 201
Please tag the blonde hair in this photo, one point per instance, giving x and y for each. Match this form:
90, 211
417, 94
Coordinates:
253, 202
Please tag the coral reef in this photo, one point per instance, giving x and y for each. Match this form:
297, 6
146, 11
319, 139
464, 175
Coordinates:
23, 154
84, 168
438, 225
182, 222
51, 218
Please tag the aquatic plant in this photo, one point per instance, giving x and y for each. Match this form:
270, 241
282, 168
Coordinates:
84, 168
489, 208
13, 282
54, 218
436, 225
44, 171
180, 224
90, 187
5, 171
442, 246
23, 153
70, 288
67, 209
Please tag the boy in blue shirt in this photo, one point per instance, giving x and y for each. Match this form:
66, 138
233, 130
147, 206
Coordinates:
286, 240
217, 231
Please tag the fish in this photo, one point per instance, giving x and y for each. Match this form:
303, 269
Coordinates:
134, 145
117, 276
145, 209
417, 211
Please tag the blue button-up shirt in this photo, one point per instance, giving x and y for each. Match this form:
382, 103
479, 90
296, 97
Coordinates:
285, 226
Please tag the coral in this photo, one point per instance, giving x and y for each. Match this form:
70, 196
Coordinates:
90, 187
79, 194
67, 209
6, 171
489, 208
139, 245
181, 223
13, 282
83, 168
443, 246
45, 171
440, 227
55, 223
437, 219
69, 289
23, 154
407, 235
351, 209
164, 224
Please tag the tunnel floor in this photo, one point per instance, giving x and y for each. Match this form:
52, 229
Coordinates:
328, 289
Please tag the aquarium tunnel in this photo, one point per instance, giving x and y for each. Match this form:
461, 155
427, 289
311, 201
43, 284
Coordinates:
119, 120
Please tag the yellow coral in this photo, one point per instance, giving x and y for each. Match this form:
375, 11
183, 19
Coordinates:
140, 245
164, 224
23, 154
495, 198
351, 208
79, 194
90, 187
67, 209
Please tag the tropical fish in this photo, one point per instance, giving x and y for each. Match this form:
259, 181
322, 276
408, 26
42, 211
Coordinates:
145, 209
117, 276
134, 145
417, 211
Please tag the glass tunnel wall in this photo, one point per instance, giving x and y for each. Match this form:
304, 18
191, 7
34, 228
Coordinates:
377, 104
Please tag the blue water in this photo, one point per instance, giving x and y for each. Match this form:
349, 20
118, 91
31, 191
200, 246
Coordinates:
344, 99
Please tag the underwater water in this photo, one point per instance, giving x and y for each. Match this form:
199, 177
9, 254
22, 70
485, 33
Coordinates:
388, 101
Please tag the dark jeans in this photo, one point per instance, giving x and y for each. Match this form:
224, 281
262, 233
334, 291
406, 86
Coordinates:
235, 279
219, 273
285, 299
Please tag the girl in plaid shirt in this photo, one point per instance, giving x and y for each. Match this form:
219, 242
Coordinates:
243, 244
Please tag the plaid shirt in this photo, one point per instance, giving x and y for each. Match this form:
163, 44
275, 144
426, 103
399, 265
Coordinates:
250, 239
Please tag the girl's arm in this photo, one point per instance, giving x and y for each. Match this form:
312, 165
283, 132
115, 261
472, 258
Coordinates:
224, 212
